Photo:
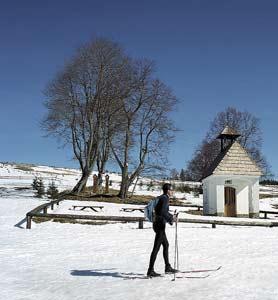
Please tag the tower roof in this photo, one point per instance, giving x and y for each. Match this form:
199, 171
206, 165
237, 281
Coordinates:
233, 161
228, 132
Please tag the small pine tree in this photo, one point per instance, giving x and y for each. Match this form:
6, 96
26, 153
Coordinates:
40, 188
182, 175
35, 183
52, 190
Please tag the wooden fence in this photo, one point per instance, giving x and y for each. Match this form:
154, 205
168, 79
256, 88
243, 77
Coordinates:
41, 212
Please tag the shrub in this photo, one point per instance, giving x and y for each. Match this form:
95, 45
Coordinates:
183, 188
150, 185
52, 190
197, 191
23, 168
141, 185
38, 186
174, 187
269, 182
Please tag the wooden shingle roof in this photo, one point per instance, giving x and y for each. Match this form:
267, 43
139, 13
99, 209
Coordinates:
233, 161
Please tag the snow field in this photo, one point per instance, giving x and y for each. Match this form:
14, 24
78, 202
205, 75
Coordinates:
73, 261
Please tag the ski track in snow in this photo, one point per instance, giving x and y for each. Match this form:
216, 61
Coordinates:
74, 261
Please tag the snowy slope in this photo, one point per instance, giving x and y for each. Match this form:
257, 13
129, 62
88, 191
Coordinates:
64, 178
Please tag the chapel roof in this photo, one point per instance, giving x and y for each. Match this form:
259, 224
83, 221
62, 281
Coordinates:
234, 160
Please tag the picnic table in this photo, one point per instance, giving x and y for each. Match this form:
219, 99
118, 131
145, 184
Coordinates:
132, 209
193, 206
95, 208
141, 209
266, 212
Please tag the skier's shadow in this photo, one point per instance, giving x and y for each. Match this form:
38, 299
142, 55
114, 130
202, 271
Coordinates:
106, 273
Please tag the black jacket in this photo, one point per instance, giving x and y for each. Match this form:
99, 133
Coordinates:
162, 215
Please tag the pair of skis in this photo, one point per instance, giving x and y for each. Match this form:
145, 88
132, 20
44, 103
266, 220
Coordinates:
182, 274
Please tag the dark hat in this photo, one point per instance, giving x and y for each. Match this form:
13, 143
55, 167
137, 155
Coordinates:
166, 187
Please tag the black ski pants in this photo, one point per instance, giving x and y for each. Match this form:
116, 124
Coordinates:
160, 239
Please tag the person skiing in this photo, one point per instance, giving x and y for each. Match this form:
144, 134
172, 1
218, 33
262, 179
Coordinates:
161, 217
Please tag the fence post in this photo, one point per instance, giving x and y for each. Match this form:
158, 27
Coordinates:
141, 224
45, 210
213, 225
28, 222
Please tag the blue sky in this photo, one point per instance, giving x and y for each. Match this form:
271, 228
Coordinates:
213, 54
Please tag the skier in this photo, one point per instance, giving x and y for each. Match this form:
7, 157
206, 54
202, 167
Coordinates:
161, 217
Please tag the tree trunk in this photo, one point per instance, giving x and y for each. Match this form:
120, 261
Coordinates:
133, 190
124, 184
101, 169
124, 190
81, 184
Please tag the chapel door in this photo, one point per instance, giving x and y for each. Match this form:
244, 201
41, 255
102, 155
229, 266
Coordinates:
230, 202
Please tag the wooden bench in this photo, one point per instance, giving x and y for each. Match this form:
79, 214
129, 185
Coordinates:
95, 208
266, 212
131, 209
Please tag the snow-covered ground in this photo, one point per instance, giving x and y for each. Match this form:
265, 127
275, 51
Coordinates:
74, 261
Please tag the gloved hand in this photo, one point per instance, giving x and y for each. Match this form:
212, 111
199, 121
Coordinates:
175, 217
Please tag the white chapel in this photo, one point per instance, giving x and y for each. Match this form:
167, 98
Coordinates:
231, 183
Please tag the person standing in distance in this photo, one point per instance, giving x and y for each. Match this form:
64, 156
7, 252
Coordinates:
161, 217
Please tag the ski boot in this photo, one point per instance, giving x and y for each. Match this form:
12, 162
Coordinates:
152, 273
169, 270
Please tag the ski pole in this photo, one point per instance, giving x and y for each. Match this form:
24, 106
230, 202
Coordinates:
177, 244
176, 259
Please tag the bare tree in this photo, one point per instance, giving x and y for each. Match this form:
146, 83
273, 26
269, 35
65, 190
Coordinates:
243, 122
174, 174
251, 139
78, 100
104, 101
203, 157
146, 130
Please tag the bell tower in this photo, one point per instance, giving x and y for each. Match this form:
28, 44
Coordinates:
227, 137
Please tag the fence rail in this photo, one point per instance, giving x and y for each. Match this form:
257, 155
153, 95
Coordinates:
37, 211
